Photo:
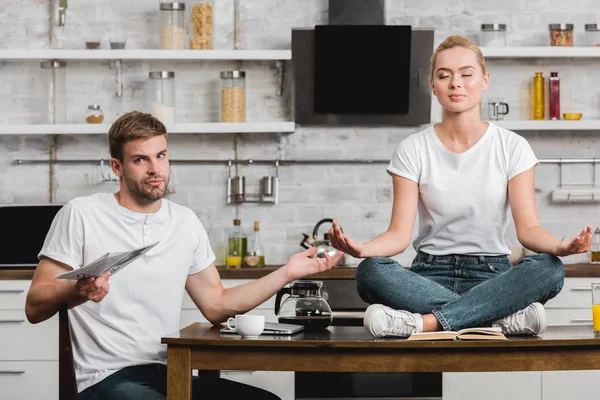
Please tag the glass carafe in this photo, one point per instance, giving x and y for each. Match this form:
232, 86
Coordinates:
304, 306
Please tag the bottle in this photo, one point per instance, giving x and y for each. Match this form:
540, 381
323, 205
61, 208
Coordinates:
595, 253
554, 96
538, 96
236, 246
256, 253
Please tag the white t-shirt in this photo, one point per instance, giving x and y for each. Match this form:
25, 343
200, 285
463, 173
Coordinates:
463, 197
144, 300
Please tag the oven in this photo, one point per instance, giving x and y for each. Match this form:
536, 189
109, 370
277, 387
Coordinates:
348, 310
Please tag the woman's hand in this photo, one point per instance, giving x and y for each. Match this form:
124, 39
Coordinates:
342, 242
304, 263
575, 245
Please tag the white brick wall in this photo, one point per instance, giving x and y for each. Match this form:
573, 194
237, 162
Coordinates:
359, 195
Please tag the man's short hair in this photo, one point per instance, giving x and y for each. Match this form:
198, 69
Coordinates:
132, 126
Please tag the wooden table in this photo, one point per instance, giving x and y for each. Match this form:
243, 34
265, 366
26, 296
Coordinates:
351, 349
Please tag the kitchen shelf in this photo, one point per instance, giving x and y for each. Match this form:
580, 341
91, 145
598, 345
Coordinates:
548, 125
206, 127
541, 52
143, 54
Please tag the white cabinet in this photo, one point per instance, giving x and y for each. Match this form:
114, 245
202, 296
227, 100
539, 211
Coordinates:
491, 386
28, 353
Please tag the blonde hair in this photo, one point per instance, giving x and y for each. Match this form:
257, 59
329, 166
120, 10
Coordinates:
132, 126
452, 42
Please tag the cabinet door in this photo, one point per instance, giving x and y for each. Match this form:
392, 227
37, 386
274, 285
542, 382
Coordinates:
561, 385
279, 382
492, 386
20, 340
31, 380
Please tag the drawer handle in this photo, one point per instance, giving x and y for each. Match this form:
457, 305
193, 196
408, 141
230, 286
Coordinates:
581, 320
12, 290
9, 372
11, 321
583, 288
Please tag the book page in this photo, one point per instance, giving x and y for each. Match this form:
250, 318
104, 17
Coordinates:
112, 262
437, 335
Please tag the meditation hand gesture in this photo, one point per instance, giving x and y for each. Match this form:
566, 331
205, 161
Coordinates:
577, 244
342, 242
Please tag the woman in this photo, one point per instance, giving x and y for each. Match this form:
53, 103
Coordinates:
462, 175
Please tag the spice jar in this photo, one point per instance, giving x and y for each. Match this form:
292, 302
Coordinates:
493, 35
561, 34
201, 25
233, 96
172, 26
592, 35
94, 114
54, 77
161, 95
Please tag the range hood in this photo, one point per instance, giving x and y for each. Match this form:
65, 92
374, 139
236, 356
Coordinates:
346, 72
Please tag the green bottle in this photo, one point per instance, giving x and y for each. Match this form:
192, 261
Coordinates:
236, 246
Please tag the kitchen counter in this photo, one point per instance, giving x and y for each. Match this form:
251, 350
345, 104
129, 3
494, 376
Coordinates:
573, 271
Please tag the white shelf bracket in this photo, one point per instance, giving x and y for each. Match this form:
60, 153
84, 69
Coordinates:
119, 77
280, 67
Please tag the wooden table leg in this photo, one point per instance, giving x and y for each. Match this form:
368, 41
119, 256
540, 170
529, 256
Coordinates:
179, 373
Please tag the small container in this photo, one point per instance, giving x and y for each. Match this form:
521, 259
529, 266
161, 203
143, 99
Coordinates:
561, 34
233, 96
554, 95
201, 25
172, 26
94, 114
161, 95
595, 249
54, 77
592, 35
493, 35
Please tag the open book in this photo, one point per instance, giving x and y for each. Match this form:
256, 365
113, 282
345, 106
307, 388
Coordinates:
464, 334
112, 262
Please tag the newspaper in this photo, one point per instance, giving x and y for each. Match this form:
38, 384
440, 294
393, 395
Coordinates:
112, 262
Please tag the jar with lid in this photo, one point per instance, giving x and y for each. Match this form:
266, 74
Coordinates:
493, 35
561, 34
94, 114
172, 26
233, 96
161, 95
54, 78
201, 25
592, 35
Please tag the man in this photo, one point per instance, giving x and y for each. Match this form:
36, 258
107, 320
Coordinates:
117, 322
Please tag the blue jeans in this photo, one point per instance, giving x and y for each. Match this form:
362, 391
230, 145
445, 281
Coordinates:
149, 382
461, 291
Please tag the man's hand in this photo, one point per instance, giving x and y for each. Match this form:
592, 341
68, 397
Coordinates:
302, 264
94, 289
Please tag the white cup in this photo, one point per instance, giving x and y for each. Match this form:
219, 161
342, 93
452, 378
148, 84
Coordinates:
247, 325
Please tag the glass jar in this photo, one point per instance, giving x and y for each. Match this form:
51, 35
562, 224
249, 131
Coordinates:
592, 35
493, 35
172, 26
201, 25
54, 78
233, 96
595, 249
561, 34
94, 114
161, 95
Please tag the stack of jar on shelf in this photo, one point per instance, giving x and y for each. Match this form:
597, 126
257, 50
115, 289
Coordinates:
242, 253
173, 27
494, 35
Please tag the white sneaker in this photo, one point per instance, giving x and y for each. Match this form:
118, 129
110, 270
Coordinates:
529, 321
382, 321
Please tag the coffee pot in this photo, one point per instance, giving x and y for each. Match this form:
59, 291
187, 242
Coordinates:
323, 245
305, 306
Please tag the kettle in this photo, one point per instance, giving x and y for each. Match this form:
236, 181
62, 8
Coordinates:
305, 306
323, 245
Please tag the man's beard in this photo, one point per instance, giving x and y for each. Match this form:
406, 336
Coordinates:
136, 189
